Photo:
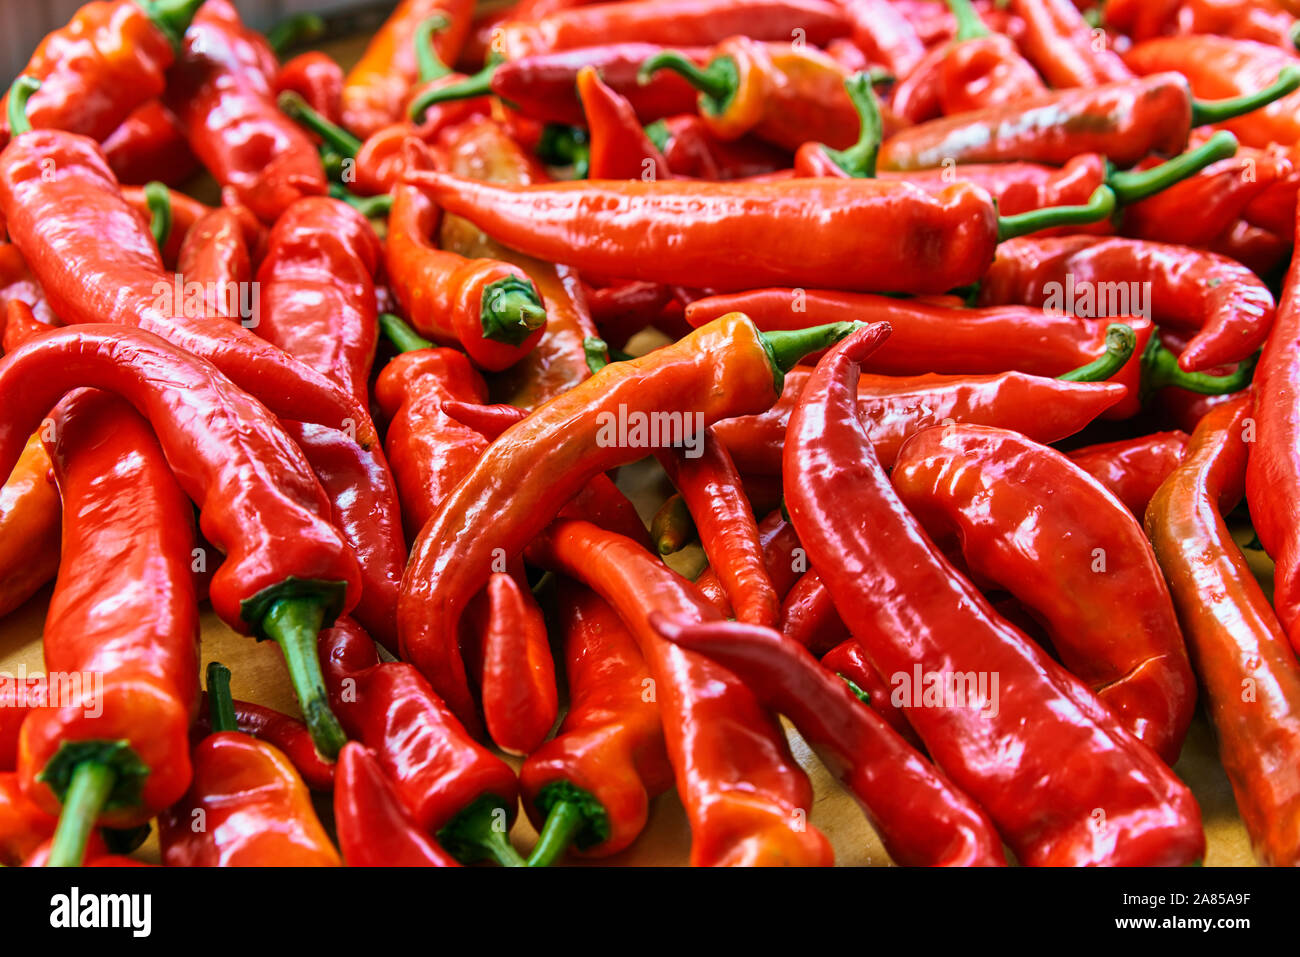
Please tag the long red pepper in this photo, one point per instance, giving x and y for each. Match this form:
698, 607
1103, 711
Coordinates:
520, 701
848, 662
215, 256
124, 619
1133, 468
922, 819
884, 33
1064, 48
318, 79
620, 148
1081, 789
29, 525
287, 569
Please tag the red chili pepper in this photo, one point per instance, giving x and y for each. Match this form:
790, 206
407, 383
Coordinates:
29, 526
227, 110
288, 734
287, 569
1133, 469
18, 283
374, 828
184, 211
215, 258
885, 35
1064, 48
1233, 636
746, 799
318, 79
451, 786
150, 145
123, 630
520, 702
848, 662
24, 827
782, 560
1257, 249
620, 147
921, 818
692, 150
1229, 308
1243, 19
622, 310
914, 615
247, 807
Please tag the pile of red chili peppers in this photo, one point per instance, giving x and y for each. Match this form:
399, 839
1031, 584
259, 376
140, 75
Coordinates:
955, 339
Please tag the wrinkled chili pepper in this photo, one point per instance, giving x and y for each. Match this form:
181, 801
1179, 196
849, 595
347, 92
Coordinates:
913, 614
124, 610
1064, 48
922, 819
287, 569
1232, 634
287, 734
29, 525
1133, 469
150, 145
254, 809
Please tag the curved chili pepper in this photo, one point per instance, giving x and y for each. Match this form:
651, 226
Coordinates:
288, 734
922, 819
124, 617
29, 524
1064, 48
1243, 19
1079, 562
885, 35
746, 799
848, 662
489, 307
724, 369
1124, 121
1247, 668
450, 785
887, 236
620, 148
247, 806
150, 145
520, 702
227, 110
913, 613
1229, 308
782, 558
318, 79
287, 570
108, 59
374, 828
590, 786
1132, 469
215, 262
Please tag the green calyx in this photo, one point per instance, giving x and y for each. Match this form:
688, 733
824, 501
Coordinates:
430, 65
172, 17
1217, 111
89, 777
969, 24
856, 688
1160, 370
786, 347
511, 310
220, 703
859, 160
1121, 340
479, 833
480, 84
1130, 187
295, 30
717, 82
19, 94
400, 333
573, 816
1101, 205
292, 615
158, 198
332, 135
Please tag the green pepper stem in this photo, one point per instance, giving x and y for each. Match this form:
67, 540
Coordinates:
480, 84
473, 835
295, 30
859, 160
511, 310
172, 17
1216, 111
596, 351
786, 347
1099, 207
1160, 369
400, 333
716, 82
371, 207
857, 689
1130, 186
562, 825
91, 785
220, 704
299, 110
969, 24
294, 624
19, 94
431, 66
1121, 340
158, 198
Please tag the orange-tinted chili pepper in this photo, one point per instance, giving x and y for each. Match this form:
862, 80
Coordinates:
247, 806
150, 145
1244, 19
374, 828
29, 524
185, 212
1064, 48
619, 147
1247, 668
520, 702
914, 615
1132, 469
215, 257
124, 621
782, 558
288, 734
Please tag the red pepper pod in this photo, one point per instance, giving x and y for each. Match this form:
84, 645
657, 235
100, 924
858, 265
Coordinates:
1064, 48
289, 735
215, 262
150, 146
619, 147
29, 533
884, 33
1132, 469
24, 827
318, 79
520, 701
921, 818
18, 283
185, 212
848, 661
374, 828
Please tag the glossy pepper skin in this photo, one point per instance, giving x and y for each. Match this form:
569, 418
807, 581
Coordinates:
124, 608
150, 145
227, 109
29, 524
287, 734
745, 797
215, 255
185, 212
1265, 22
738, 235
848, 661
718, 371
448, 297
1132, 469
619, 146
24, 827
611, 743
1025, 517
884, 33
911, 610
520, 700
374, 828
921, 818
1229, 308
1064, 48
1232, 633
318, 79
